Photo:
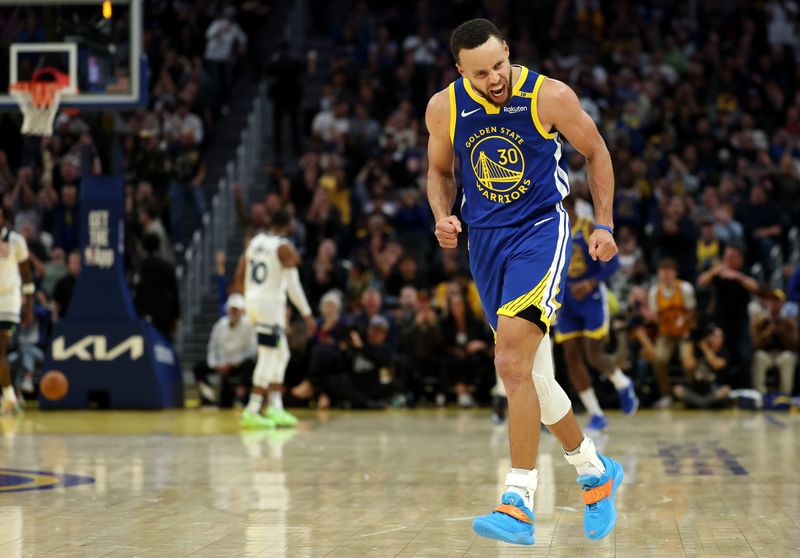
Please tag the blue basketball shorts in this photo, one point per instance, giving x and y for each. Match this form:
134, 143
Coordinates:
587, 317
522, 267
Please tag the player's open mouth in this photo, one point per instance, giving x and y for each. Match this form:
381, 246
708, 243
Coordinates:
498, 93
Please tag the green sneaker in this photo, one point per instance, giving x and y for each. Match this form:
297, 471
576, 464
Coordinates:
280, 417
255, 420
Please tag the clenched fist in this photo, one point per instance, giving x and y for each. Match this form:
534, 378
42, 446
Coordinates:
602, 246
447, 230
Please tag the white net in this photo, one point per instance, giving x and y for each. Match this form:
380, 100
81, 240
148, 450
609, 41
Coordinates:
38, 102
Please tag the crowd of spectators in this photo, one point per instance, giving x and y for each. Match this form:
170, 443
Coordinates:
698, 104
160, 149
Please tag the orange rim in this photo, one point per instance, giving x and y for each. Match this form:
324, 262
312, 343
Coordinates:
42, 93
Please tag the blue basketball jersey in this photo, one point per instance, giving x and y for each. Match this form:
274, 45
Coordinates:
581, 265
508, 165
588, 316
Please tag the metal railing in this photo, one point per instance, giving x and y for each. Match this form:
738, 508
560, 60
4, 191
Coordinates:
194, 276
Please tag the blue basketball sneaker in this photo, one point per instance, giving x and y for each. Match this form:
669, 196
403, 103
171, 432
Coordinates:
597, 422
510, 522
628, 399
600, 514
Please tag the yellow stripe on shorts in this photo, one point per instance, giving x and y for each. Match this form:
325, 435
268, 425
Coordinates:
531, 298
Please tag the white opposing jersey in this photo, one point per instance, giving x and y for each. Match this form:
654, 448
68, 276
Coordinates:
264, 280
13, 250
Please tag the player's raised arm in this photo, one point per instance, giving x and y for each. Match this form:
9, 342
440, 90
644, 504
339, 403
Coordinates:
559, 107
441, 184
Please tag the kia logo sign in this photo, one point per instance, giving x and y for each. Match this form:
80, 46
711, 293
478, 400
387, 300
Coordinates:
95, 348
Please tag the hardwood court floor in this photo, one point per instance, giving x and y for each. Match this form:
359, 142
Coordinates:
397, 483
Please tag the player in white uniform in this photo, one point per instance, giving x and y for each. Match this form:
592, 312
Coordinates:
268, 273
15, 280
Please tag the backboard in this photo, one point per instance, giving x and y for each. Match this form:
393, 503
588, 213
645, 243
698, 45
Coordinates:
99, 47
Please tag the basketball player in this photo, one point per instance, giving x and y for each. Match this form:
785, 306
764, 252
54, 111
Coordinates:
268, 272
501, 125
16, 280
582, 324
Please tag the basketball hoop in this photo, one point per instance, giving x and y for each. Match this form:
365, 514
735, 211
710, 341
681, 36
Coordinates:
38, 100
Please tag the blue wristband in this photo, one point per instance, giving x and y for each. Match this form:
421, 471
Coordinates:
605, 228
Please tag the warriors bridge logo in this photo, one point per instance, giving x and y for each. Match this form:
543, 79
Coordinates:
498, 164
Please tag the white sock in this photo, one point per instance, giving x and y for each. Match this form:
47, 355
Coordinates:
255, 402
523, 482
589, 400
9, 394
585, 460
620, 380
276, 399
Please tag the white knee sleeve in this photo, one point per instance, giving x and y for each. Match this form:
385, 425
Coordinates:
271, 364
542, 365
553, 401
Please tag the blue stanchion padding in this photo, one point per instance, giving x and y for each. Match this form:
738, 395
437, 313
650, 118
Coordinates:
169, 375
126, 365
101, 293
107, 353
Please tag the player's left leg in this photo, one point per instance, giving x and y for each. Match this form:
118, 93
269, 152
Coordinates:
10, 403
599, 476
251, 415
275, 410
599, 360
582, 382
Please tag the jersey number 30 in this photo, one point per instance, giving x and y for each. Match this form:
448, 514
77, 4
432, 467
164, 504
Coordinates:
258, 272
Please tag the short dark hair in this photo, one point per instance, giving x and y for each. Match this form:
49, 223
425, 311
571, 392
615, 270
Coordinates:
705, 327
737, 247
151, 210
472, 34
281, 219
668, 263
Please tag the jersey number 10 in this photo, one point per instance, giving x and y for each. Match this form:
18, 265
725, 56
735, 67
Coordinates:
258, 272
